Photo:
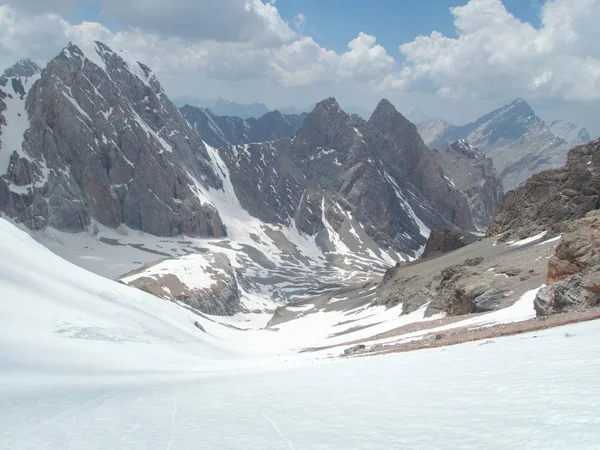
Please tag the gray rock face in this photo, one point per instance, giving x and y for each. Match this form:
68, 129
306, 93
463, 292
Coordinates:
24, 68
473, 174
444, 240
574, 269
553, 197
519, 143
105, 143
219, 131
379, 173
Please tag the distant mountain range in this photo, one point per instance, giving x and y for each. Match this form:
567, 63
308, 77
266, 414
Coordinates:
514, 137
218, 131
227, 108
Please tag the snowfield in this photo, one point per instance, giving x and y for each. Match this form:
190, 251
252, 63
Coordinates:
89, 363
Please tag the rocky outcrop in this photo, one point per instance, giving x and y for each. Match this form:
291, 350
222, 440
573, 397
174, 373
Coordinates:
519, 143
104, 143
205, 281
574, 269
218, 131
473, 174
552, 198
445, 240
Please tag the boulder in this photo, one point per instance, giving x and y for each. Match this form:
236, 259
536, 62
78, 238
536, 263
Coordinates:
573, 281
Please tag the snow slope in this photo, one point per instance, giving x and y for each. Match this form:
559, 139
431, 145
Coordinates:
89, 363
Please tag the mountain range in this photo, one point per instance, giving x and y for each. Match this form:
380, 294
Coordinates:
93, 144
218, 131
518, 142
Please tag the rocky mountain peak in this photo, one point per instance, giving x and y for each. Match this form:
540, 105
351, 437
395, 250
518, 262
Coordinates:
330, 105
23, 68
388, 120
104, 144
385, 107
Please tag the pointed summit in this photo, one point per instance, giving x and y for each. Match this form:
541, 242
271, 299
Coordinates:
521, 106
330, 105
385, 107
23, 68
387, 119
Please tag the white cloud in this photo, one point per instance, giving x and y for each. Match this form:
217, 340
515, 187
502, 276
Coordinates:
293, 62
496, 53
365, 60
299, 22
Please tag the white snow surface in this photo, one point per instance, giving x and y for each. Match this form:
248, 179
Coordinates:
88, 363
528, 240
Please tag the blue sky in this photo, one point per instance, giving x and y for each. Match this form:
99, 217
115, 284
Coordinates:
333, 23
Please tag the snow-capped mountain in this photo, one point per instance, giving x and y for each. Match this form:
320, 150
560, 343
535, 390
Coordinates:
519, 143
340, 174
218, 131
570, 132
111, 175
101, 142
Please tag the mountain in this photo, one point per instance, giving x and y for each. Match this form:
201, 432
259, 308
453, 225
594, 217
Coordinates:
569, 132
218, 131
518, 142
552, 198
14, 85
340, 174
104, 169
97, 140
563, 201
224, 107
25, 68
474, 174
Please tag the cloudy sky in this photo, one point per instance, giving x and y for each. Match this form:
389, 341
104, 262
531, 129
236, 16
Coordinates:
455, 59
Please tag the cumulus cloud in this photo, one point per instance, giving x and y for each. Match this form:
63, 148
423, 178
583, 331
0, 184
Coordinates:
293, 62
365, 60
220, 20
495, 53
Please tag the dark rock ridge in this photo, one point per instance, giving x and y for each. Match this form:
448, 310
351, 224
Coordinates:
24, 68
224, 107
105, 144
339, 167
445, 240
218, 131
519, 143
552, 198
574, 269
474, 174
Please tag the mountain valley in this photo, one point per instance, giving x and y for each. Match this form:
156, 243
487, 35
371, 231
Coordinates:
147, 247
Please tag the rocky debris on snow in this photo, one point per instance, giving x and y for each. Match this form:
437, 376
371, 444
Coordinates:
354, 350
206, 282
574, 269
445, 240
480, 277
550, 199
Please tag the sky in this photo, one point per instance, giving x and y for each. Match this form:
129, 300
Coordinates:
454, 59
